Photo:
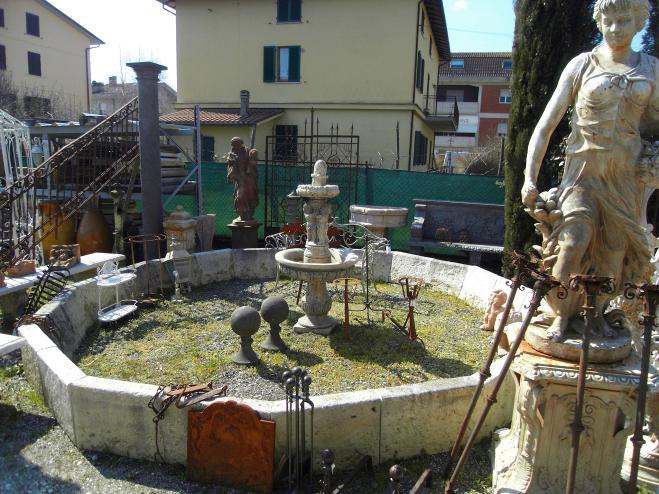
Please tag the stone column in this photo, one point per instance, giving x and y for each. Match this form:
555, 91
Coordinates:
147, 90
532, 456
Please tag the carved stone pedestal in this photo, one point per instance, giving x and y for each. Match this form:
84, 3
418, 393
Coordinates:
533, 455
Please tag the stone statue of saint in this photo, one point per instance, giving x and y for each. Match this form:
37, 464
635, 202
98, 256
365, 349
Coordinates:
590, 222
242, 172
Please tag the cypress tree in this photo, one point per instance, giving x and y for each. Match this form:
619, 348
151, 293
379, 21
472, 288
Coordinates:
548, 34
650, 36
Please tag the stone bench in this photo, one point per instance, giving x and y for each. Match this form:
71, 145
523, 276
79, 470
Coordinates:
12, 296
470, 227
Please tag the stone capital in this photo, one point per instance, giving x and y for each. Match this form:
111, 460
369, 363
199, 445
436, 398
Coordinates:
146, 70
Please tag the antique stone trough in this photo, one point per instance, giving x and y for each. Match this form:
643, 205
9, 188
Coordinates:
397, 422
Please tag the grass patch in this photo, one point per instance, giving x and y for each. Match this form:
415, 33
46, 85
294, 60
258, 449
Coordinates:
192, 341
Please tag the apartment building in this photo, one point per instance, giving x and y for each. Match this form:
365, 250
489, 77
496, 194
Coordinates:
44, 61
361, 68
480, 84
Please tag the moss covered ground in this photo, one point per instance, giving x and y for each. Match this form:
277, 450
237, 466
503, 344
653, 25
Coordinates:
191, 341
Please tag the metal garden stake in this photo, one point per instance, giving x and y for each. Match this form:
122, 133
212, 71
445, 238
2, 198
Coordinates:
523, 264
650, 295
590, 286
543, 283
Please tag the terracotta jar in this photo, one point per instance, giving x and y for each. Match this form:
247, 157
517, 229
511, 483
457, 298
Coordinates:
94, 235
64, 234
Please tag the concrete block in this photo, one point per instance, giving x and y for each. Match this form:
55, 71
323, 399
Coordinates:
112, 416
404, 264
347, 423
447, 276
214, 265
254, 263
477, 286
35, 341
380, 268
57, 373
426, 417
9, 343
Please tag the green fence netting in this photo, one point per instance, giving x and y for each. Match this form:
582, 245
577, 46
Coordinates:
373, 186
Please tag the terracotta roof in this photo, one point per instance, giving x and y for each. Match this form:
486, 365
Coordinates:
435, 9
479, 65
222, 116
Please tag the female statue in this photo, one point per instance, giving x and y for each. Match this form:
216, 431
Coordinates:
242, 172
590, 223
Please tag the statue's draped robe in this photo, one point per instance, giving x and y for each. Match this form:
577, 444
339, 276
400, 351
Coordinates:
601, 187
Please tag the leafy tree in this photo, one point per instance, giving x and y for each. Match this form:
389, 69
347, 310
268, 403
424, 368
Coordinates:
650, 37
548, 34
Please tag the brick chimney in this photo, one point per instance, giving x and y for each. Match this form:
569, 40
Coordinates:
244, 103
112, 81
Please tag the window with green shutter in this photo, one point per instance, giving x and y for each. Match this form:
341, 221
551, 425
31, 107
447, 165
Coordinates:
289, 10
281, 63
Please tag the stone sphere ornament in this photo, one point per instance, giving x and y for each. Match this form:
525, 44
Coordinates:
274, 311
245, 321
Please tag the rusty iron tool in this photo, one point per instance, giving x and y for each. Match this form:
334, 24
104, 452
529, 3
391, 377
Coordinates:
523, 264
543, 283
411, 288
347, 283
590, 286
424, 480
650, 294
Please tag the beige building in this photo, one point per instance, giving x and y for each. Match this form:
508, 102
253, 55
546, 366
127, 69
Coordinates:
364, 67
44, 61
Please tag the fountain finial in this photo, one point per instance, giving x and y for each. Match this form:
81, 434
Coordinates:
319, 175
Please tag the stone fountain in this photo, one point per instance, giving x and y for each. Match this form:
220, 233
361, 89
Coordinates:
316, 264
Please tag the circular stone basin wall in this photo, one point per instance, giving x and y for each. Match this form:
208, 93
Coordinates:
396, 422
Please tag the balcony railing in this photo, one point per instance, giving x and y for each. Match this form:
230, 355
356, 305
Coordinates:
442, 111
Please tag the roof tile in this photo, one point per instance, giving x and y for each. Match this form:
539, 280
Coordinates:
221, 116
478, 65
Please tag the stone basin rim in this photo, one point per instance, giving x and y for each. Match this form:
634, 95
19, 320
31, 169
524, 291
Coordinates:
293, 259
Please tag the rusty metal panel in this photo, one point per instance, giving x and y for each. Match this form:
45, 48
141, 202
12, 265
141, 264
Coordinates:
228, 443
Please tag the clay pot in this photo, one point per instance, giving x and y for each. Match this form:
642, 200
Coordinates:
94, 235
65, 233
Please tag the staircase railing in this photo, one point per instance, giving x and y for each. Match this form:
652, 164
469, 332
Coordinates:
71, 177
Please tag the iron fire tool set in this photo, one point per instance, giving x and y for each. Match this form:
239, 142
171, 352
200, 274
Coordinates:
528, 270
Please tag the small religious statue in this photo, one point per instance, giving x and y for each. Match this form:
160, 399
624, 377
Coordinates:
495, 303
242, 172
591, 223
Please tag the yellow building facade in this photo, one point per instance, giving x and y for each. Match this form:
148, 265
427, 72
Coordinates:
366, 67
44, 61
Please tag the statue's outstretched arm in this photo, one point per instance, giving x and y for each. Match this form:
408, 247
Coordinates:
548, 122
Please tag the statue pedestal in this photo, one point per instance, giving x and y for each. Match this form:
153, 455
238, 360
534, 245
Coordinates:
244, 235
533, 455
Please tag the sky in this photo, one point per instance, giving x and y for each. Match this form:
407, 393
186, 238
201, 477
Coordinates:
141, 30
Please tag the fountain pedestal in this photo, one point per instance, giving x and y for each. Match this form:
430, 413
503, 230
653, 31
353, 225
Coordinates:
532, 456
316, 264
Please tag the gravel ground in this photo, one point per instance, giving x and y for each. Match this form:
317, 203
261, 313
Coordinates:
192, 342
36, 456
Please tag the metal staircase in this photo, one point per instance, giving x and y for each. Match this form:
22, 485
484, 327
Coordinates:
72, 176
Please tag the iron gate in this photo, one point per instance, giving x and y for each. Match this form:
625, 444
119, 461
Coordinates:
289, 160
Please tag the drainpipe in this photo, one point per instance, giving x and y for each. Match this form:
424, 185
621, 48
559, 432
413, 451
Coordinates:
87, 70
416, 49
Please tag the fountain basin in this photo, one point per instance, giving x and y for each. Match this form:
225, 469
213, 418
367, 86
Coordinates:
291, 263
316, 303
317, 191
378, 218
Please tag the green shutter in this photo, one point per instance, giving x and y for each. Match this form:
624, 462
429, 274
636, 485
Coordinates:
296, 10
269, 63
282, 10
294, 64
